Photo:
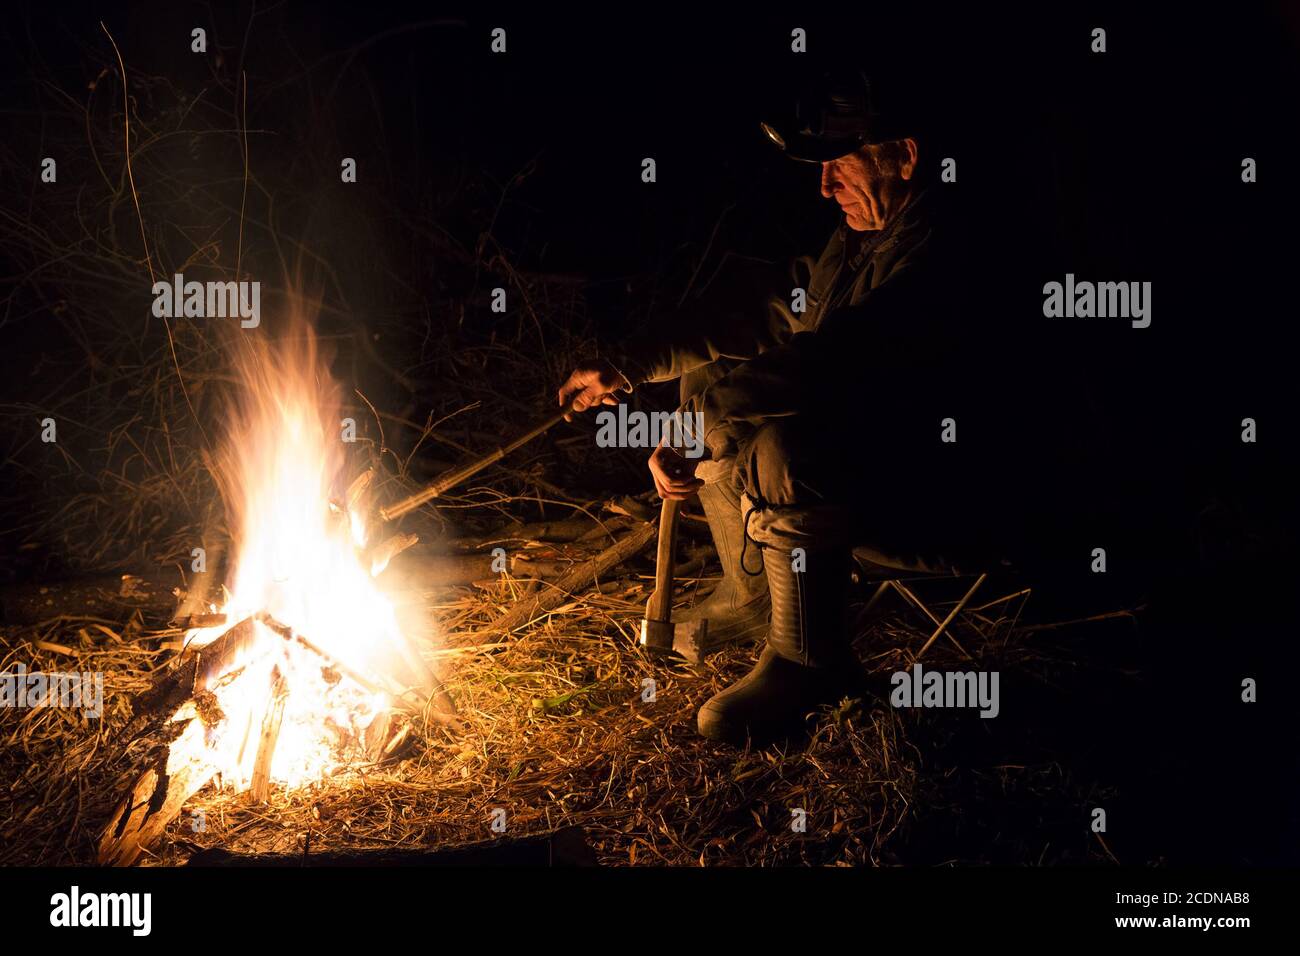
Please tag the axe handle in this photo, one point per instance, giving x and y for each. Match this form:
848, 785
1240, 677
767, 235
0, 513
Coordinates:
660, 605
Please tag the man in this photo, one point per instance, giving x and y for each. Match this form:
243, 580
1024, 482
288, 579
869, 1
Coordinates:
823, 425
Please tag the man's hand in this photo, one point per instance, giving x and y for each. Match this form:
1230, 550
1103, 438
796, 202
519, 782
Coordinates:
593, 383
674, 474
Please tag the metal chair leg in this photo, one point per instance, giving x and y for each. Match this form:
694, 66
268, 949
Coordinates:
910, 596
952, 614
880, 590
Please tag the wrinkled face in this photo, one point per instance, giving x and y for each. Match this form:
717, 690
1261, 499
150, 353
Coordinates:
873, 184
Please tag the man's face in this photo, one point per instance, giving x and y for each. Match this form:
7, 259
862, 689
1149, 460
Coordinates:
873, 184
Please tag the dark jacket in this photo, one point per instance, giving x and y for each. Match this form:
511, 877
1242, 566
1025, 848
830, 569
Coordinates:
752, 313
936, 317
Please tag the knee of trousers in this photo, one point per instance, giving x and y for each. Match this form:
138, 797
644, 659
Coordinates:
763, 467
784, 481
757, 462
783, 528
778, 465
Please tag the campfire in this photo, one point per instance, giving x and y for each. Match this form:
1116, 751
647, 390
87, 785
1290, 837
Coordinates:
302, 668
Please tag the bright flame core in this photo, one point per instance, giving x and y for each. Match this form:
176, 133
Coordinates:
297, 557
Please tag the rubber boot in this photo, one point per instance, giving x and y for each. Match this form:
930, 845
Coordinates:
739, 606
807, 661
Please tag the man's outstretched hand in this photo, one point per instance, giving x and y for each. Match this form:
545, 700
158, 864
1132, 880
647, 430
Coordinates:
592, 383
674, 474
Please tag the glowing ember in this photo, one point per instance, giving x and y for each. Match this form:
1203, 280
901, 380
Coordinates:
299, 559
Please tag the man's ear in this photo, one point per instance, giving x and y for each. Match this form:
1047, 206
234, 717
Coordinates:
908, 166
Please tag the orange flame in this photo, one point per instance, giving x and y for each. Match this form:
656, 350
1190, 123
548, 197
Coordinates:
299, 559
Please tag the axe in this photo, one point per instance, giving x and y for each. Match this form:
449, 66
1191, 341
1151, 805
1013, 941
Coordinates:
658, 632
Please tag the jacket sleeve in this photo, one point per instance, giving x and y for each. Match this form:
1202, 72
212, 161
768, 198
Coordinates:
856, 351
743, 313
776, 384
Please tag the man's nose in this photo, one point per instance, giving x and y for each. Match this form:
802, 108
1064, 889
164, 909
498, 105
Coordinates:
829, 184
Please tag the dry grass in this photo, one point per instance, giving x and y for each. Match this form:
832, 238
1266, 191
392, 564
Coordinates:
556, 733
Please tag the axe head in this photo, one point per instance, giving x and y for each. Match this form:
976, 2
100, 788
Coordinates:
689, 638
656, 636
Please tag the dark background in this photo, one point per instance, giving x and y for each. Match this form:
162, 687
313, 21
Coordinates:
1120, 166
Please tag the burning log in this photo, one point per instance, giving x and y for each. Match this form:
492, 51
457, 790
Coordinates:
183, 763
182, 770
261, 788
360, 485
443, 711
382, 554
180, 710
192, 621
195, 668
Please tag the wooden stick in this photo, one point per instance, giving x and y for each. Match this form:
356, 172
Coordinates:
470, 469
157, 797
358, 487
1109, 615
271, 721
418, 572
443, 711
381, 554
561, 530
377, 734
574, 582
